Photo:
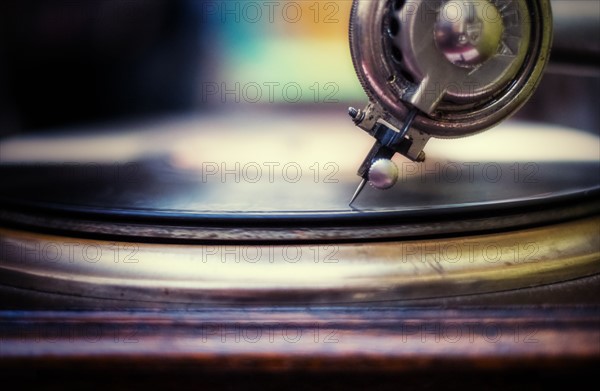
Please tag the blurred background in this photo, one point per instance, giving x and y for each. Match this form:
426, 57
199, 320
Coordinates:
68, 62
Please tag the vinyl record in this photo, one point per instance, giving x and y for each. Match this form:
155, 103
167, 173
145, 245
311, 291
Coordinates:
201, 211
237, 178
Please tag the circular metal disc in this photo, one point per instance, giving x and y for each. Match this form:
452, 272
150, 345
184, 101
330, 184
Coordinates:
390, 88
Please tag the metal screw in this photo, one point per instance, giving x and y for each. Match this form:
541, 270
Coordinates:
356, 114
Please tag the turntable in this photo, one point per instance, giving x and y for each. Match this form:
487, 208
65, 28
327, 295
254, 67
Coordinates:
220, 242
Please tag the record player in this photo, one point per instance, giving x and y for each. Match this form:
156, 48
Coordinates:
178, 193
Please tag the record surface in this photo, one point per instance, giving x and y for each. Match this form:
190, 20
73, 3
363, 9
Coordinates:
289, 178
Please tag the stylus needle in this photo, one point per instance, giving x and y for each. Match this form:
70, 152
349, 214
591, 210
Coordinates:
382, 152
360, 187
